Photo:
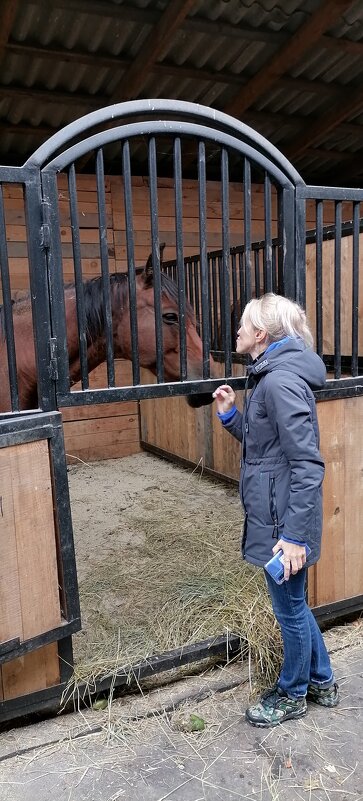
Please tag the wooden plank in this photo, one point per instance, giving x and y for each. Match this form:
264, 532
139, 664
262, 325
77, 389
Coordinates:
124, 408
122, 425
353, 489
94, 451
35, 536
11, 624
34, 671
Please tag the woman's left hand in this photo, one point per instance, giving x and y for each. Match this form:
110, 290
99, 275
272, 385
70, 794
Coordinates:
294, 557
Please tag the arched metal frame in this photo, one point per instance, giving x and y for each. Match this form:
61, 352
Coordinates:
229, 135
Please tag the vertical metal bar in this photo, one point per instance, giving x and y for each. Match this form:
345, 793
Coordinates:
274, 276
106, 289
247, 196
178, 195
196, 294
7, 311
38, 273
202, 191
337, 290
56, 283
225, 257
257, 273
241, 275
295, 260
190, 283
234, 315
319, 277
216, 342
355, 290
268, 235
129, 227
155, 249
78, 278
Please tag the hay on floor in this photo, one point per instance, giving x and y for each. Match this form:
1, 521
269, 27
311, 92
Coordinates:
178, 579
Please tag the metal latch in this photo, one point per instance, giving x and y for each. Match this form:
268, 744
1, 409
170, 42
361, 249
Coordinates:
45, 228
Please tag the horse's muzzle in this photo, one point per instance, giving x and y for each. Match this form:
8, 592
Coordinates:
200, 399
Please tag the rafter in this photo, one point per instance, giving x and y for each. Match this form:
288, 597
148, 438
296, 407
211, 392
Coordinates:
288, 55
153, 48
8, 9
340, 112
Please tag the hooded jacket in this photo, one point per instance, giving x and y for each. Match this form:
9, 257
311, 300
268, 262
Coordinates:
282, 469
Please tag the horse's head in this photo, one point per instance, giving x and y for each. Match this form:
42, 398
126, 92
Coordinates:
170, 321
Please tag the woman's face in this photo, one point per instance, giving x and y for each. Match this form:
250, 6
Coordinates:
250, 339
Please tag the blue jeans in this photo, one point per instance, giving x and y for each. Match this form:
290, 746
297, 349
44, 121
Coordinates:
306, 660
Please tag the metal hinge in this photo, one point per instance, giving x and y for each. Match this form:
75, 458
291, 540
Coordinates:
53, 366
45, 228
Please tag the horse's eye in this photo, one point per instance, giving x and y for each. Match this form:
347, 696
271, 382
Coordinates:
170, 318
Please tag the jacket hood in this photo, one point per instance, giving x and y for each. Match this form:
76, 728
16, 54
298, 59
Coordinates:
294, 357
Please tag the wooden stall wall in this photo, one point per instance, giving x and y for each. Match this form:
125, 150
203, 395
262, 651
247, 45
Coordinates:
103, 431
30, 602
198, 437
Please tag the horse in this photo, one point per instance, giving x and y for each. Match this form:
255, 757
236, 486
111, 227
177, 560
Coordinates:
121, 334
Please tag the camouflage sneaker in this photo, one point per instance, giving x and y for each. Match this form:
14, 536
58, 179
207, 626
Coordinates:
327, 696
275, 707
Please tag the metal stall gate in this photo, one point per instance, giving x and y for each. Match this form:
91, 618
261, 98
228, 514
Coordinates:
72, 328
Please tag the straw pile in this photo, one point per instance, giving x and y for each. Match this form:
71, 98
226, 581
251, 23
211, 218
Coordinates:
179, 581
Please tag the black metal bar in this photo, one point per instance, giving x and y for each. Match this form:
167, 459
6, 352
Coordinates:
202, 196
329, 193
242, 290
337, 291
41, 640
190, 282
225, 261
257, 273
78, 277
130, 249
273, 269
155, 247
234, 315
178, 196
268, 235
38, 273
214, 302
106, 289
296, 264
197, 298
319, 277
56, 284
7, 311
247, 200
355, 290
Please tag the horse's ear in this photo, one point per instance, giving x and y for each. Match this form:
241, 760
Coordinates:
148, 271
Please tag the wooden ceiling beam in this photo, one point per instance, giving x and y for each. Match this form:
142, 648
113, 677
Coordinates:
134, 79
288, 55
8, 9
55, 96
319, 129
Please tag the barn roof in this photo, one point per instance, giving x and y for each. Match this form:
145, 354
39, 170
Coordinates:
291, 70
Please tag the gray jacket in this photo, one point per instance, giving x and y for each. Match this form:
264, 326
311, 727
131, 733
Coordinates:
281, 468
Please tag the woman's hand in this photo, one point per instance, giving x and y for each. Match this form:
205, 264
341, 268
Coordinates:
225, 398
294, 557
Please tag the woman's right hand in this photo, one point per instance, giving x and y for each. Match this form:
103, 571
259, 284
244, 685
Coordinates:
225, 398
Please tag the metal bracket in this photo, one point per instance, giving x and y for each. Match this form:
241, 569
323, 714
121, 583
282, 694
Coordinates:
45, 228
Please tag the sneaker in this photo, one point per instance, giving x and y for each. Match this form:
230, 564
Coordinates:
325, 696
275, 707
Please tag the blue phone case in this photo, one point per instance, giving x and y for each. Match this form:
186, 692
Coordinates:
275, 565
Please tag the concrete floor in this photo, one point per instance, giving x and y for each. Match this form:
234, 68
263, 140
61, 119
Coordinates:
139, 748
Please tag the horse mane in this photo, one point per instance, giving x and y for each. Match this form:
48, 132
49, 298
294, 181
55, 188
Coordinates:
94, 304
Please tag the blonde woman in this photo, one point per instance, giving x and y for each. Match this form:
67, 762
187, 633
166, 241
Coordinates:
281, 491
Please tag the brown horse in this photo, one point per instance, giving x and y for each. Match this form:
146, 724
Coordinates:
96, 340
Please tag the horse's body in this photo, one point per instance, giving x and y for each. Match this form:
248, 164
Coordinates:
96, 339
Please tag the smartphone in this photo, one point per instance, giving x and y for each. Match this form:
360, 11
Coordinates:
275, 566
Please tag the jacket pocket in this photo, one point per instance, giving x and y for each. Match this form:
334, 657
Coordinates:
268, 500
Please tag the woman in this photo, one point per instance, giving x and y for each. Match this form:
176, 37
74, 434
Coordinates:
281, 490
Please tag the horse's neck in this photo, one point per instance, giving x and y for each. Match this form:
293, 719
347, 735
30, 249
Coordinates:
96, 351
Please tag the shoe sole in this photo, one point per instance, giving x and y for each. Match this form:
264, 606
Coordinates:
266, 725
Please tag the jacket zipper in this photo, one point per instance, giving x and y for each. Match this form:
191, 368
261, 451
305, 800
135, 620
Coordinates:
275, 532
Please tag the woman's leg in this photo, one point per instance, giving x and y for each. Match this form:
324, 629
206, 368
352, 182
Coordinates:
293, 615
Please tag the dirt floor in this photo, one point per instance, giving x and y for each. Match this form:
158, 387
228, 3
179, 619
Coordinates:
158, 560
